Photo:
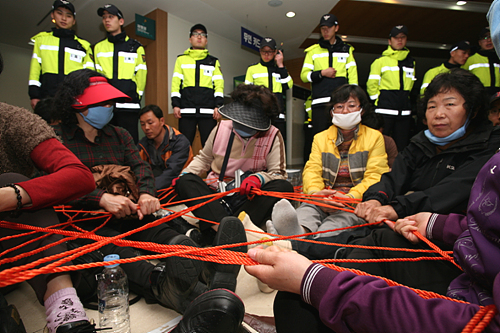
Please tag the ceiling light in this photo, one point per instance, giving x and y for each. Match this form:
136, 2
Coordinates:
344, 36
290, 14
461, 3
275, 3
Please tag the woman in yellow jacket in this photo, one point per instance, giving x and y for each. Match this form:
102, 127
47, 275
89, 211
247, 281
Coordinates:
345, 160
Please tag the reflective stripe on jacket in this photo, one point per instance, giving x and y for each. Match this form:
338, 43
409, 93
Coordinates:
123, 61
322, 56
391, 79
55, 55
197, 83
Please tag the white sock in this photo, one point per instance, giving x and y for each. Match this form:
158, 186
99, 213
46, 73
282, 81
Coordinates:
254, 236
284, 219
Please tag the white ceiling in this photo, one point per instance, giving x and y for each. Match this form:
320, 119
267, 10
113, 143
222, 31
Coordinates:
19, 18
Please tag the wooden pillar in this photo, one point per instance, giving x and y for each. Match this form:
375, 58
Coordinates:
157, 90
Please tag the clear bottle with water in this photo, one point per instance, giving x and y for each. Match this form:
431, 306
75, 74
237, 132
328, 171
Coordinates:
112, 291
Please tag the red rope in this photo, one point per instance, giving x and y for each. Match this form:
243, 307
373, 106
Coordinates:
219, 254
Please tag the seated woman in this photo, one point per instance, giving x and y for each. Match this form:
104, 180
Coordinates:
346, 158
85, 103
27, 142
246, 141
457, 143
435, 172
331, 301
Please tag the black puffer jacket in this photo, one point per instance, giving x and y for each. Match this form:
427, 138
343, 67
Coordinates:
440, 182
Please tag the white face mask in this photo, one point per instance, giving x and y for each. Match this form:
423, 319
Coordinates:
347, 121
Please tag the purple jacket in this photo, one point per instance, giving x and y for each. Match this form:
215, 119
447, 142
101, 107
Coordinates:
348, 302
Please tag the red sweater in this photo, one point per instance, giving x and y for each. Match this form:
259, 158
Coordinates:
67, 177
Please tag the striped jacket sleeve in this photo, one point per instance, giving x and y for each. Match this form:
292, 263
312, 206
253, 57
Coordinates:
35, 72
351, 68
177, 79
141, 71
218, 81
373, 83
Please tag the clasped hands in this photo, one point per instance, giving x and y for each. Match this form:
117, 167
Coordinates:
121, 206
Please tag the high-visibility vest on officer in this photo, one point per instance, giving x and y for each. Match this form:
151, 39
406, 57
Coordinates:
485, 63
270, 71
389, 84
57, 53
197, 87
327, 65
459, 53
123, 61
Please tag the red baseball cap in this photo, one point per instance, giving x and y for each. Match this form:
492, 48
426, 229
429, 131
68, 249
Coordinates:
98, 91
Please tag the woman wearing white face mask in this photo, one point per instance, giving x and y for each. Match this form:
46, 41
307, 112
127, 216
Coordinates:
345, 160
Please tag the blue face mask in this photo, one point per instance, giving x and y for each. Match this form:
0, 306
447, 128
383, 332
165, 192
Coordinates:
243, 131
453, 136
98, 116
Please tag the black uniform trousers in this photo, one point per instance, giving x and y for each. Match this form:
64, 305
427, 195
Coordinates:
187, 126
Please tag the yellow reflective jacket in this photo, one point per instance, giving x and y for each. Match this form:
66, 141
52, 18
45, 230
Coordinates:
123, 61
56, 54
322, 56
197, 83
391, 79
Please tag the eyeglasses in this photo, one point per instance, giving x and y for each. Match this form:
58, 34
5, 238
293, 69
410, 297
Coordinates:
338, 108
486, 37
267, 52
199, 34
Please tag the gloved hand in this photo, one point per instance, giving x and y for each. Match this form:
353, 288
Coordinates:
248, 184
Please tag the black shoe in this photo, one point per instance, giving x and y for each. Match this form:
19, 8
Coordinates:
175, 282
231, 231
215, 311
185, 228
10, 321
81, 326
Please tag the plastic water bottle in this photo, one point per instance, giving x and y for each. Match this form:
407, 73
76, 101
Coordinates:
112, 291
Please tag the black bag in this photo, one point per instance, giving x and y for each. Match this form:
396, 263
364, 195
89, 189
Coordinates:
234, 201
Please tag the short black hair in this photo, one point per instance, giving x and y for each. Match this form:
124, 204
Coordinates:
467, 85
342, 94
152, 107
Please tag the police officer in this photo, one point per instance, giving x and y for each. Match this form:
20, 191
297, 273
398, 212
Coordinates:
123, 61
389, 84
327, 65
57, 53
271, 73
485, 63
459, 53
197, 87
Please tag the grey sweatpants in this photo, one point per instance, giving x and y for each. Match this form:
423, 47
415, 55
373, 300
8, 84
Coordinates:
313, 218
